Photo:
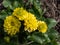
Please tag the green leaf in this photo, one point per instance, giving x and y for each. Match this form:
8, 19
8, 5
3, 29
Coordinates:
54, 42
37, 6
6, 3
15, 4
36, 13
51, 23
53, 34
51, 43
3, 14
47, 38
37, 39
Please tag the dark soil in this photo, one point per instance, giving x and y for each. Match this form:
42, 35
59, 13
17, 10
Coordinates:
53, 10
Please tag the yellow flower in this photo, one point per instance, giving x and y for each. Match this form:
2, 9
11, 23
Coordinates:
7, 39
42, 26
30, 23
11, 25
20, 13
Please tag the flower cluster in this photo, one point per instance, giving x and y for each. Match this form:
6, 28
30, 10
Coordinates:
28, 18
13, 23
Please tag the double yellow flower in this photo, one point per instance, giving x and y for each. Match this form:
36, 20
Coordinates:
11, 25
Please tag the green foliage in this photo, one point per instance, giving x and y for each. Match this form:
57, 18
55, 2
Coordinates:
51, 37
51, 23
3, 14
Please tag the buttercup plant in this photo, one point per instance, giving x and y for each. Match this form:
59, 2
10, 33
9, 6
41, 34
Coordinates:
24, 23
13, 24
